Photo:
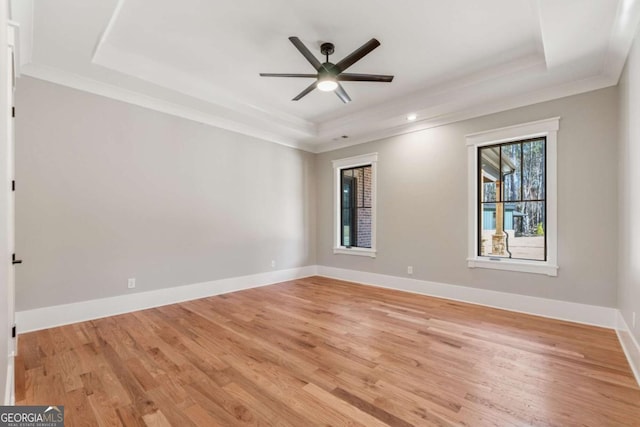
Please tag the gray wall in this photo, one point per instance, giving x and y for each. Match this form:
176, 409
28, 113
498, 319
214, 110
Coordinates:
629, 236
107, 191
422, 203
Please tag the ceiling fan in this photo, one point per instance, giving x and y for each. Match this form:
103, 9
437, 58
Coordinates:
329, 76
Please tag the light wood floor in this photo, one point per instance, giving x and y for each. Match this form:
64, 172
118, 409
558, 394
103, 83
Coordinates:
323, 352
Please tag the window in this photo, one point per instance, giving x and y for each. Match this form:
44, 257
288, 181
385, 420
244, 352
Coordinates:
354, 212
512, 198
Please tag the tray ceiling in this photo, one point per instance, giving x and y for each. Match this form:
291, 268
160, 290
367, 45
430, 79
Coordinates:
451, 60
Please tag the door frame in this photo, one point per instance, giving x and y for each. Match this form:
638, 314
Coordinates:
9, 41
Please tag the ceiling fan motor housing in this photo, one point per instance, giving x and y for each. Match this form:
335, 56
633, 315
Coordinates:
328, 69
327, 48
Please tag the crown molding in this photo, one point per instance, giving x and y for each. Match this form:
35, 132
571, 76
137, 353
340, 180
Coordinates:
457, 115
64, 78
368, 127
226, 103
439, 92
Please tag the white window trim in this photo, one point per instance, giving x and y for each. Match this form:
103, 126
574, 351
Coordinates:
549, 129
338, 165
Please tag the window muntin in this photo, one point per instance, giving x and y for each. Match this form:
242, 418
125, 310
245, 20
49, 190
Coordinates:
511, 196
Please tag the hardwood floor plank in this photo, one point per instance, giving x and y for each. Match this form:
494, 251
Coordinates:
319, 351
68, 364
77, 403
156, 419
343, 406
106, 415
268, 411
19, 379
30, 353
129, 417
370, 409
172, 409
213, 408
202, 417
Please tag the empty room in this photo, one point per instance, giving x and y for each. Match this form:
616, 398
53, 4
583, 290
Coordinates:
288, 213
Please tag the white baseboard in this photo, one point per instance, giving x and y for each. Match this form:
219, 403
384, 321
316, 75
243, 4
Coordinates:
9, 395
563, 310
629, 345
48, 317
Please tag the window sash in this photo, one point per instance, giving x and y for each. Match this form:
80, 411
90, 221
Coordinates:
501, 196
356, 189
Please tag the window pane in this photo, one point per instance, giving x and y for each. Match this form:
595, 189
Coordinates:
346, 227
533, 170
511, 174
358, 175
346, 193
364, 228
523, 230
526, 227
488, 229
489, 161
367, 187
347, 219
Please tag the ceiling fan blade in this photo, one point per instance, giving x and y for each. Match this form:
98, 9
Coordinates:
311, 87
350, 77
357, 54
311, 76
342, 94
306, 53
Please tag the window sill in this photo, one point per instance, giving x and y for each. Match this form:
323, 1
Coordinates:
355, 251
511, 265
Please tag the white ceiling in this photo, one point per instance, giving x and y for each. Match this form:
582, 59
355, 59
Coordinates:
451, 59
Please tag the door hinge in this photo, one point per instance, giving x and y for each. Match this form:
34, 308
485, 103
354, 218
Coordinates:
13, 331
13, 111
14, 260
13, 185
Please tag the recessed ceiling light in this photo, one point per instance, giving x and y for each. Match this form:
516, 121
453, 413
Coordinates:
411, 117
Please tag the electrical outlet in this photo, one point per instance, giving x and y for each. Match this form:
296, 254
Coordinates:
131, 283
410, 270
273, 263
633, 320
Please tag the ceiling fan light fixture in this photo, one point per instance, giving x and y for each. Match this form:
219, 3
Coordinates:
328, 75
327, 84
